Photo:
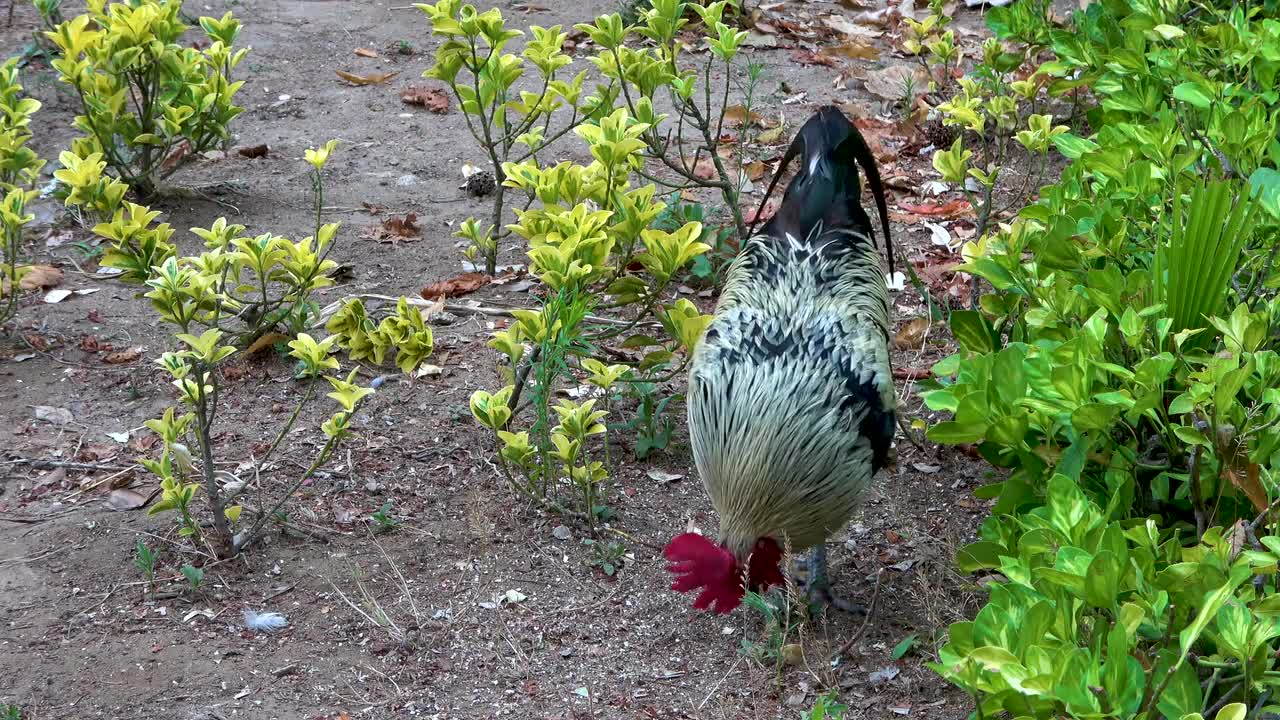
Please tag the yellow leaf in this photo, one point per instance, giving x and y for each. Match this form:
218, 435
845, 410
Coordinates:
769, 137
233, 513
370, 79
265, 341
853, 50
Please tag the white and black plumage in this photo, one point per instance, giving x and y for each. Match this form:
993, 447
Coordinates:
791, 404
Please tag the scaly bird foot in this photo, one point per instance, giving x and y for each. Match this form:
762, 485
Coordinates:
811, 578
824, 596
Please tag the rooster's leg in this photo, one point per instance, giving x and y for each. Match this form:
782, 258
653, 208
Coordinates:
817, 586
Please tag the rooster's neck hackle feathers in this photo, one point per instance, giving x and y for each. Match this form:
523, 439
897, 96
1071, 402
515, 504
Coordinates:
825, 190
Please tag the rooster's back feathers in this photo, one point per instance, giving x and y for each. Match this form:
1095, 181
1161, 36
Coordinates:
791, 402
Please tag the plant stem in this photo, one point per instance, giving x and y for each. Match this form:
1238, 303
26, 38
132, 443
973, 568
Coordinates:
248, 537
224, 547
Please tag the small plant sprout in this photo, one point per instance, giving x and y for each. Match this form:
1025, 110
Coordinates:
515, 128
607, 556
194, 576
828, 707
144, 558
383, 521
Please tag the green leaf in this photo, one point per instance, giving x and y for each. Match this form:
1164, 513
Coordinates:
1209, 607
1202, 255
1234, 711
1073, 147
1195, 94
1183, 694
904, 646
981, 555
1094, 416
955, 433
1103, 587
1264, 186
972, 330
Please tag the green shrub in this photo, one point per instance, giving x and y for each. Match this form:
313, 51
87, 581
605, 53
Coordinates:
605, 248
516, 127
1123, 373
148, 104
587, 259
19, 170
238, 296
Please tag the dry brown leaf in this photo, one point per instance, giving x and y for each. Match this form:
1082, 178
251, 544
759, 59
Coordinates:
123, 356
437, 101
38, 277
754, 170
126, 499
900, 182
393, 229
756, 214
705, 169
950, 210
854, 50
265, 341
877, 134
737, 116
255, 151
366, 52
455, 286
840, 24
370, 79
1239, 469
809, 57
1237, 537
181, 151
912, 334
403, 227
143, 443
760, 40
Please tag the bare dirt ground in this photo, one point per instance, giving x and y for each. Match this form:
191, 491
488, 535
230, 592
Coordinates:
81, 638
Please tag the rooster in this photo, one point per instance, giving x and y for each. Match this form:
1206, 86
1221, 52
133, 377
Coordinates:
791, 404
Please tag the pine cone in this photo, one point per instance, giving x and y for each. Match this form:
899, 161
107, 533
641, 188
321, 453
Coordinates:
481, 183
939, 135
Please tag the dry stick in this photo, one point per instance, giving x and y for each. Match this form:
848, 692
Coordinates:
49, 464
101, 602
875, 595
99, 483
720, 682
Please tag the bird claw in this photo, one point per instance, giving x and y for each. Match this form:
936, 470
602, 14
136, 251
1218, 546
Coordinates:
824, 597
812, 581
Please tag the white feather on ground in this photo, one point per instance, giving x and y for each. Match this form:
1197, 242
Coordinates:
264, 622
